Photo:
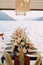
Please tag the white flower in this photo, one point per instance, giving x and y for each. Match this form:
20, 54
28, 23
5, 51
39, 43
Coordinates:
22, 43
24, 50
19, 39
19, 48
27, 40
14, 43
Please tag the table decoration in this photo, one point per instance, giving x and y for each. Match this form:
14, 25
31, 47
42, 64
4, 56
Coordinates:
21, 40
21, 46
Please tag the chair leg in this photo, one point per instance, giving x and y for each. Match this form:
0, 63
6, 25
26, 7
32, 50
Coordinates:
41, 63
2, 59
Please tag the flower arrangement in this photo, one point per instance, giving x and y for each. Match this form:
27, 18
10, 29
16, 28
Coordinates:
21, 40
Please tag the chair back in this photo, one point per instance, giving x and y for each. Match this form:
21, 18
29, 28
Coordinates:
21, 57
8, 59
38, 61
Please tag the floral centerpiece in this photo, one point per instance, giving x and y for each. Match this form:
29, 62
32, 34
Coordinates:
21, 40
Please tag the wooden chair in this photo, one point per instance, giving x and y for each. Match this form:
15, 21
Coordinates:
21, 59
38, 61
8, 59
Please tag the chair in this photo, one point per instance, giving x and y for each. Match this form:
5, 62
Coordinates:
8, 59
38, 61
21, 59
